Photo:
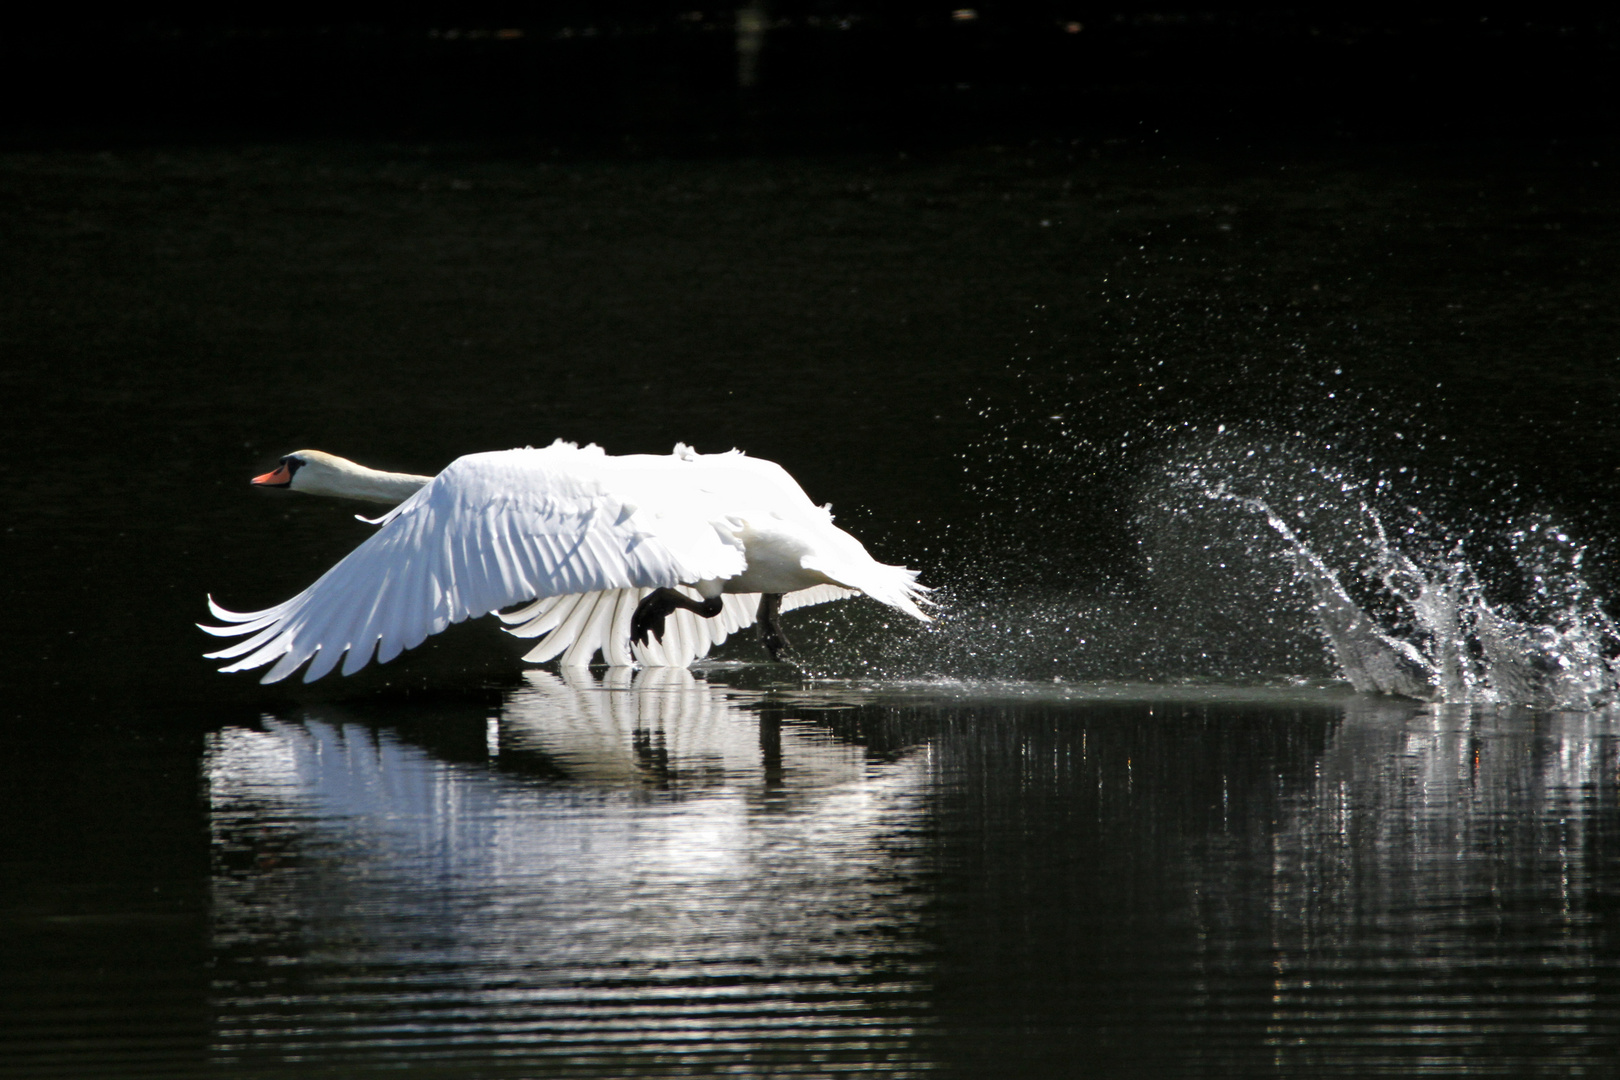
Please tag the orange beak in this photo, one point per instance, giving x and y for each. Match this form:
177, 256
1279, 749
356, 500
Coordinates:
281, 477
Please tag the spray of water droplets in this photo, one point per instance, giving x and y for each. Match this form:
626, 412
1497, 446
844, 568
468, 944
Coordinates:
1253, 562
1408, 611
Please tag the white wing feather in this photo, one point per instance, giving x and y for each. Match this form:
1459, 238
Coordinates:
540, 620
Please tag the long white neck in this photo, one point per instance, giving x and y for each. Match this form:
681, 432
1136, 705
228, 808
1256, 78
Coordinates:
328, 474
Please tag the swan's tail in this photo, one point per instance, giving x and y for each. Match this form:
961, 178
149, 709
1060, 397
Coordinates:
892, 585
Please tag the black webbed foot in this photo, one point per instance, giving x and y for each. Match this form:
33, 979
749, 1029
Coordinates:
648, 618
770, 625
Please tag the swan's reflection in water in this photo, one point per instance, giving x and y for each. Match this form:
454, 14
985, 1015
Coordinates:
637, 878
663, 728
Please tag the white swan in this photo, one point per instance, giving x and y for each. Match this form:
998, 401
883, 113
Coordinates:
619, 555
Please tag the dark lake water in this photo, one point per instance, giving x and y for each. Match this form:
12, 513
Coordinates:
1115, 814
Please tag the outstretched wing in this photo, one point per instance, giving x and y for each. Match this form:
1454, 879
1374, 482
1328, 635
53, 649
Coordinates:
490, 531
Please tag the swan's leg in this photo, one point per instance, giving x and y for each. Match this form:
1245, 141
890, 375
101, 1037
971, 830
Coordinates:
655, 607
770, 625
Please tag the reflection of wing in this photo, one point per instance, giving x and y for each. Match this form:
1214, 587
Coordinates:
663, 726
577, 627
363, 887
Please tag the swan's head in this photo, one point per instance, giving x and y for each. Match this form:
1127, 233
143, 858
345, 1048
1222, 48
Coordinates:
314, 472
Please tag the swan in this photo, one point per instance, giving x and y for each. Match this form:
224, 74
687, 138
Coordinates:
643, 558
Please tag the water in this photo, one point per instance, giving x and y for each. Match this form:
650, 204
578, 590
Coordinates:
694, 876
1269, 728
638, 879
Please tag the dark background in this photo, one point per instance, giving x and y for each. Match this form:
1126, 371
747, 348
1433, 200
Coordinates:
659, 76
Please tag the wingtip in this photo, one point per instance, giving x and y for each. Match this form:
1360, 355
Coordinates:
224, 614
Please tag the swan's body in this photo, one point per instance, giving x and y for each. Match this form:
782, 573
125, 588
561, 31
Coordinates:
588, 537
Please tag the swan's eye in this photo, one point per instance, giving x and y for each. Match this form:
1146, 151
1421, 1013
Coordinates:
293, 464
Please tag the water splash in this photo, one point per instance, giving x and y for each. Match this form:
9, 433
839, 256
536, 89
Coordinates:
1428, 629
1234, 555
